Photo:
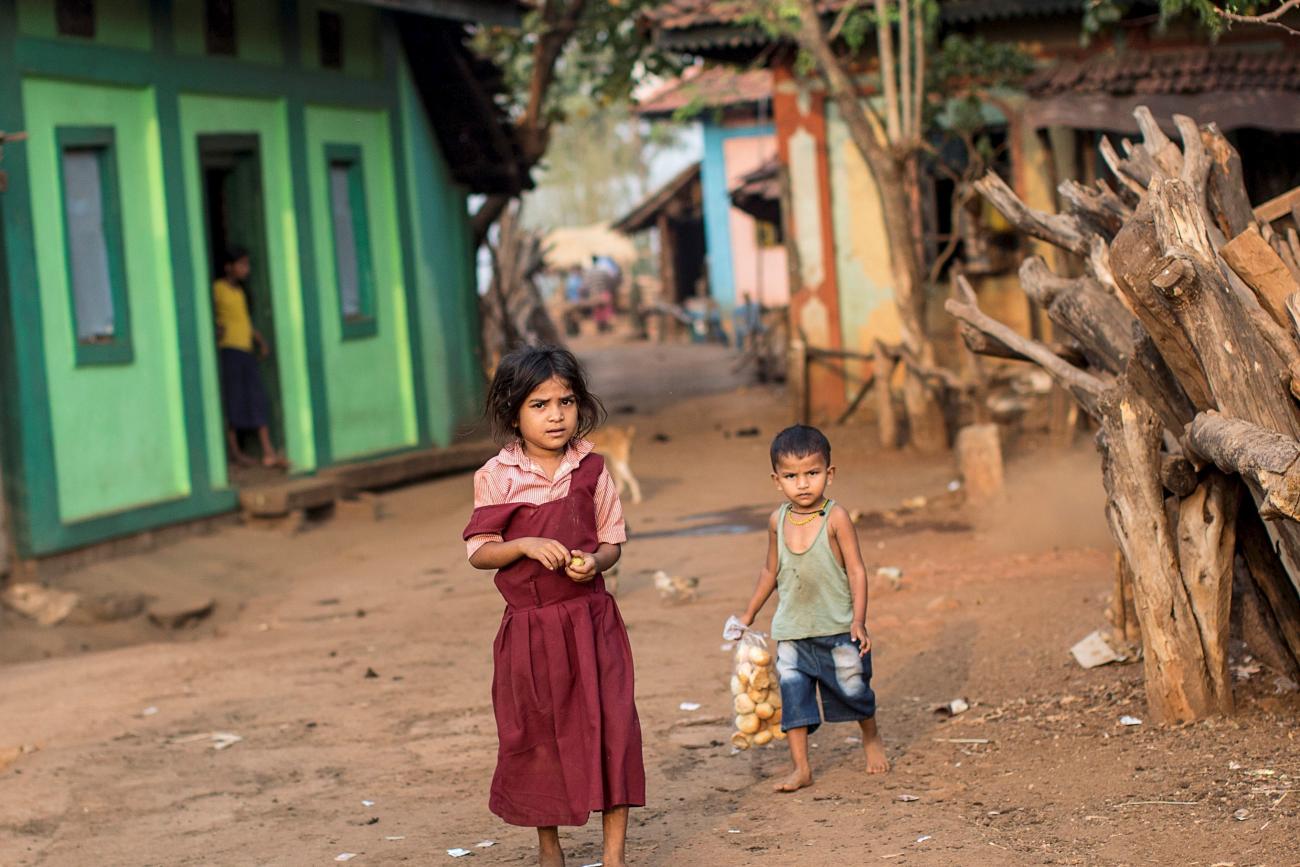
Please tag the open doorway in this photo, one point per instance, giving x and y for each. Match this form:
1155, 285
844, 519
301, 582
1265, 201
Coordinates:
231, 171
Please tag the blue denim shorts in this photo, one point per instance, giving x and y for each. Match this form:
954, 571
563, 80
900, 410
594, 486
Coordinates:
828, 664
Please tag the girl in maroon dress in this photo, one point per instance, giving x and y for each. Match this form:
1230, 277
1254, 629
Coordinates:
547, 517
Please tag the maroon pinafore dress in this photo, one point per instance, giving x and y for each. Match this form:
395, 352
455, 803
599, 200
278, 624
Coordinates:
569, 741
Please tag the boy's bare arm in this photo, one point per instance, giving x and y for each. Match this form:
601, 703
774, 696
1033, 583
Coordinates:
766, 578
847, 536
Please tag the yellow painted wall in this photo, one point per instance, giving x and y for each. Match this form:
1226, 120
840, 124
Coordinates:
862, 262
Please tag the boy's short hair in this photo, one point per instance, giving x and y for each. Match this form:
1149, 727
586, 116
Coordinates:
523, 370
799, 441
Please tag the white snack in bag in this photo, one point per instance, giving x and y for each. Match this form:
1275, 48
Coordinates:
755, 691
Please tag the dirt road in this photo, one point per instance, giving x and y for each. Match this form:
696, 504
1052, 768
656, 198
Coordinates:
394, 767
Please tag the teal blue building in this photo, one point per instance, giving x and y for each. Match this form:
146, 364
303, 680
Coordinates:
337, 141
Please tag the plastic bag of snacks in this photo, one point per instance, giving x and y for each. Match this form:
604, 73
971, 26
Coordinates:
755, 693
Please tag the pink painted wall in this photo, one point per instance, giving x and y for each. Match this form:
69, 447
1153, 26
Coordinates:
759, 271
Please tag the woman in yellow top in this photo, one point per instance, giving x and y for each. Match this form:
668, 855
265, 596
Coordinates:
242, 392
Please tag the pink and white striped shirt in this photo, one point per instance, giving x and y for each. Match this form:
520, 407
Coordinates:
513, 477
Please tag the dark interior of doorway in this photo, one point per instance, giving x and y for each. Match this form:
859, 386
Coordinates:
689, 257
232, 203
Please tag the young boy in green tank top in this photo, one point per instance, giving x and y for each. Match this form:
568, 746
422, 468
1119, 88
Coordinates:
820, 625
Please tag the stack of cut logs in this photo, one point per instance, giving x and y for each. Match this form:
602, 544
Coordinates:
1181, 340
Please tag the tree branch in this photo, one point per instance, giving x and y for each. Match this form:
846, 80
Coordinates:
888, 72
1266, 18
559, 22
1063, 230
1085, 387
841, 20
905, 67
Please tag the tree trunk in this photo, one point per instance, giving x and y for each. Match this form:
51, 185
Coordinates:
886, 160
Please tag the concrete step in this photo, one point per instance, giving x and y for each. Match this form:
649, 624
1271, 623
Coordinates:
410, 466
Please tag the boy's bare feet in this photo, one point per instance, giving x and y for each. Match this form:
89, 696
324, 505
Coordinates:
874, 747
796, 781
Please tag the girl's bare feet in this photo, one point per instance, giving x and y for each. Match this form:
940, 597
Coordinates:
614, 823
549, 853
244, 460
797, 780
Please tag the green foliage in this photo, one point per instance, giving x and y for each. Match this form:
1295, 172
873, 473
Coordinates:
601, 64
1100, 15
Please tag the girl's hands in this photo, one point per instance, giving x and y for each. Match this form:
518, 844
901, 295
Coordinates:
581, 566
548, 552
859, 634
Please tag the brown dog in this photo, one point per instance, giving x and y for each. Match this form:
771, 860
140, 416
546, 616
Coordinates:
614, 443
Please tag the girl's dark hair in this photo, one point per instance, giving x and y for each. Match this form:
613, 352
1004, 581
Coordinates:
522, 371
800, 441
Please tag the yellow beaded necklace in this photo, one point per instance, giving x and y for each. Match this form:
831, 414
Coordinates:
821, 510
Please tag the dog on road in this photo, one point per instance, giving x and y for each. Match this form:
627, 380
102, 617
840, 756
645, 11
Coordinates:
614, 443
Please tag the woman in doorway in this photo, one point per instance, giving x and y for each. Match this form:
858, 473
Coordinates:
242, 392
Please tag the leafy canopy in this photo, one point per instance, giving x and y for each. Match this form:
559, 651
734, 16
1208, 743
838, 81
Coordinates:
601, 64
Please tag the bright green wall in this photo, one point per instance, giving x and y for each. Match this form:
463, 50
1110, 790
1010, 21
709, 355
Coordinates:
360, 36
368, 380
201, 115
118, 430
448, 309
123, 23
257, 29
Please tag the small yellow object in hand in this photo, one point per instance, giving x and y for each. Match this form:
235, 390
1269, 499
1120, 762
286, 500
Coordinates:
577, 561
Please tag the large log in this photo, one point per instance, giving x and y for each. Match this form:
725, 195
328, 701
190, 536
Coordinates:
1099, 323
1269, 461
1263, 270
1182, 683
1226, 186
1099, 207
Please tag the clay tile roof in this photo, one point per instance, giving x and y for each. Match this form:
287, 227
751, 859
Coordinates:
713, 18
714, 87
1198, 70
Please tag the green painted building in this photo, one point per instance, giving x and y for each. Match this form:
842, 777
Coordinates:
337, 141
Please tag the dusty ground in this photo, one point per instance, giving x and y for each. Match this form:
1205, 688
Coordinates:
989, 604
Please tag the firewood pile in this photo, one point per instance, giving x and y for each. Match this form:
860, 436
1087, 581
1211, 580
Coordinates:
1181, 339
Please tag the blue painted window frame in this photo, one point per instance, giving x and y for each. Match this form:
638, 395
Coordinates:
101, 140
362, 324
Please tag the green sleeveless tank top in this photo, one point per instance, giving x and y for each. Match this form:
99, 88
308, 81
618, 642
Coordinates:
814, 588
